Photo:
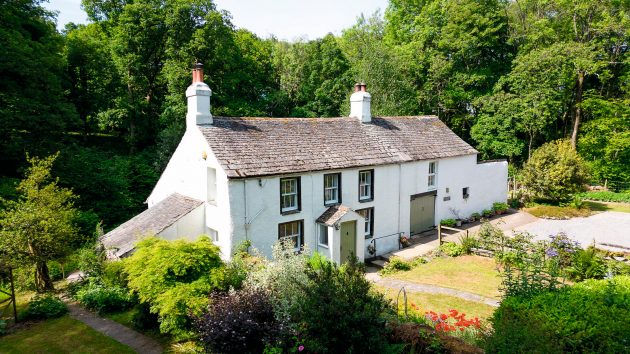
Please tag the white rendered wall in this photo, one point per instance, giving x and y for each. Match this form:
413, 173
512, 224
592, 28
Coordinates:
186, 173
188, 227
393, 187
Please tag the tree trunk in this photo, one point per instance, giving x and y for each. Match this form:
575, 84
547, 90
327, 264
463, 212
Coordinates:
578, 108
42, 278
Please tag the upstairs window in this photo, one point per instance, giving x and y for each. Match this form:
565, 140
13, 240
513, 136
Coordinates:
211, 187
366, 185
292, 231
368, 214
289, 194
332, 188
432, 181
465, 193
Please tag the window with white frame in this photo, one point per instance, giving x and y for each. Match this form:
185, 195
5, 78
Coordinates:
323, 235
368, 214
432, 174
332, 188
292, 231
289, 194
366, 185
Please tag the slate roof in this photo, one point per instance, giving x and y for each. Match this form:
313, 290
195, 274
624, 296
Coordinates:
333, 214
120, 241
250, 147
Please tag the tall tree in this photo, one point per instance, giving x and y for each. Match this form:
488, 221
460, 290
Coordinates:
39, 226
33, 111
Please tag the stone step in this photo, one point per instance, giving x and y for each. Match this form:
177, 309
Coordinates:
379, 263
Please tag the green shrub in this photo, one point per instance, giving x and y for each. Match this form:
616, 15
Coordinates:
555, 172
586, 264
588, 317
499, 207
475, 216
451, 249
104, 299
606, 196
339, 312
3, 327
394, 265
448, 222
487, 213
45, 306
467, 243
175, 279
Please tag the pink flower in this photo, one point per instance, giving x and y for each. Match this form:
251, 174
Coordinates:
300, 348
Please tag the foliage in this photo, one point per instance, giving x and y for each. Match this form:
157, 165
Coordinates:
103, 299
239, 322
39, 226
487, 213
451, 249
588, 317
586, 264
499, 207
394, 265
45, 306
175, 278
475, 216
607, 196
339, 311
467, 242
448, 222
555, 172
452, 321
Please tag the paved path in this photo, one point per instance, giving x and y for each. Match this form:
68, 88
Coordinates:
127, 336
427, 244
428, 288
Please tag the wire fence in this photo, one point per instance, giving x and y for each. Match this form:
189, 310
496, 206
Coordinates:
613, 186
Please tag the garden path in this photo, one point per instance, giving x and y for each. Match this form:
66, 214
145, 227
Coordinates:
428, 288
127, 336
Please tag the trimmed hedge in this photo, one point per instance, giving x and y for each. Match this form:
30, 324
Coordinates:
607, 196
591, 316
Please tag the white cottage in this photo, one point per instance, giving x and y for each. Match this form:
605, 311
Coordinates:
334, 184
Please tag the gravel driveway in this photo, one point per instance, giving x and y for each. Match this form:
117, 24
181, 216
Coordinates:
611, 228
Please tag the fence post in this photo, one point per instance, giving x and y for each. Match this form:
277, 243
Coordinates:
440, 234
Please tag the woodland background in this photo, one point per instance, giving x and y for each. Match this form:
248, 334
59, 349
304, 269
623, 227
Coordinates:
507, 76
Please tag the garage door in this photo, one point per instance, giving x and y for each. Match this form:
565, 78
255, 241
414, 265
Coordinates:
422, 212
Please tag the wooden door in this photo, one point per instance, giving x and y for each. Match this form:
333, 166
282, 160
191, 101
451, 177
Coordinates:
348, 242
422, 213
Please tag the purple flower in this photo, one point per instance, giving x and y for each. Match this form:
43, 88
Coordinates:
300, 348
551, 252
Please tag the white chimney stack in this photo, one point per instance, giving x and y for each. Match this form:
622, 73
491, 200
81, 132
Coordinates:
360, 103
198, 94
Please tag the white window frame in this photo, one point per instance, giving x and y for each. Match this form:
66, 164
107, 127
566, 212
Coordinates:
432, 175
368, 214
333, 189
366, 181
323, 233
291, 194
296, 234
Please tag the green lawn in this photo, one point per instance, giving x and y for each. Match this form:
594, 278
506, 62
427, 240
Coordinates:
441, 303
474, 274
61, 335
608, 206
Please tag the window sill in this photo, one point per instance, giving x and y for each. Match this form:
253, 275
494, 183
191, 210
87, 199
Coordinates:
367, 237
331, 204
321, 245
289, 212
366, 200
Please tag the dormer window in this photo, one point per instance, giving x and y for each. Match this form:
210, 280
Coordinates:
366, 185
432, 180
289, 195
332, 188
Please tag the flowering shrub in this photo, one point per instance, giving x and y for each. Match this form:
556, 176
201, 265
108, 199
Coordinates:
562, 248
452, 321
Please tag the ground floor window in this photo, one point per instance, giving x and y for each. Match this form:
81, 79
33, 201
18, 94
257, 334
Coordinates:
368, 214
292, 231
323, 235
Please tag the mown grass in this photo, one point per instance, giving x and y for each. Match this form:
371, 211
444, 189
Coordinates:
61, 335
440, 303
603, 206
474, 274
558, 212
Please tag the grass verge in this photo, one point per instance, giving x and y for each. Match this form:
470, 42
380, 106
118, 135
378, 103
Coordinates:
558, 212
61, 335
474, 274
604, 206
